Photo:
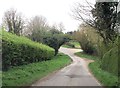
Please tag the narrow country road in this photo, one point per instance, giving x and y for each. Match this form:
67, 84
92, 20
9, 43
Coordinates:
76, 74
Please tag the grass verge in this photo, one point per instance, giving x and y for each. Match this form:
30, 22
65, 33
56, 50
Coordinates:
87, 56
105, 78
27, 74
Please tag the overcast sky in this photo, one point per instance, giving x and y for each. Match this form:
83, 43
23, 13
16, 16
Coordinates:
55, 11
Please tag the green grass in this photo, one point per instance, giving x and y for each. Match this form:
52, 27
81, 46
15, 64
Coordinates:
27, 74
84, 55
104, 77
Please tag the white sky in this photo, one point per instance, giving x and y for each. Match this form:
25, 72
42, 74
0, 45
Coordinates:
55, 11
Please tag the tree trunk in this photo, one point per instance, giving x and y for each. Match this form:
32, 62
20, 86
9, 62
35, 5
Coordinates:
56, 52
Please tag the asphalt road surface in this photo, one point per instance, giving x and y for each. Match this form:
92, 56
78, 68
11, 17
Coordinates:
75, 74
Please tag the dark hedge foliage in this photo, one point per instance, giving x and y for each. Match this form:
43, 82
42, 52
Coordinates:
110, 60
20, 50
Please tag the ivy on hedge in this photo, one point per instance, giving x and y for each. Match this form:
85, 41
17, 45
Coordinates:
21, 50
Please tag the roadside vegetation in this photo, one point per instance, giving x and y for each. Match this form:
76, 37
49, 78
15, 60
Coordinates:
98, 36
105, 78
25, 61
84, 55
18, 51
25, 75
105, 67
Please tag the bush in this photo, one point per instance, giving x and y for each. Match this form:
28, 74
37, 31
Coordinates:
55, 41
88, 39
20, 50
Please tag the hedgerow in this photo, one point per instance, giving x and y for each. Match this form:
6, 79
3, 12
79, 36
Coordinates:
21, 50
110, 60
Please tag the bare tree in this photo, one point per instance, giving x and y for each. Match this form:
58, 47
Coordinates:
61, 26
118, 11
36, 23
102, 16
83, 13
118, 16
36, 28
13, 21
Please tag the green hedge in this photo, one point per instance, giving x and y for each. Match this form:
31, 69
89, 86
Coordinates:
20, 50
110, 61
